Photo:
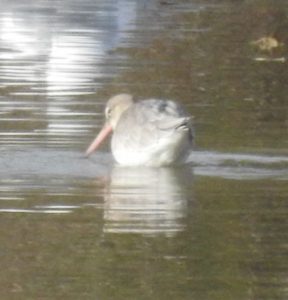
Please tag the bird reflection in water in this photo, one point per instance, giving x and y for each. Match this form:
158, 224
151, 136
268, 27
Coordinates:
147, 200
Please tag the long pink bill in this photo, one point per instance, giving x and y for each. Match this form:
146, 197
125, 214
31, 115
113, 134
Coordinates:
105, 131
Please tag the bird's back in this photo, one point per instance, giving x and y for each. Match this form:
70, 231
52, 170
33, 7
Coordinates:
151, 128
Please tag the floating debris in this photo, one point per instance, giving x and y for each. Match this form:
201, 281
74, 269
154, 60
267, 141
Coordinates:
267, 43
270, 59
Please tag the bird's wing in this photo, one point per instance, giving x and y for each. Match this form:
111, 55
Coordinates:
148, 121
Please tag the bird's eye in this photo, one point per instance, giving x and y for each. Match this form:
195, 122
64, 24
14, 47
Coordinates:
108, 113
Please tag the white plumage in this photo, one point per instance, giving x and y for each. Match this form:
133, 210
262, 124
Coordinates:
150, 132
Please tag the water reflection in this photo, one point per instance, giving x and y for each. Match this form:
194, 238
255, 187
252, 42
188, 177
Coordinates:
55, 54
61, 53
132, 195
147, 200
51, 52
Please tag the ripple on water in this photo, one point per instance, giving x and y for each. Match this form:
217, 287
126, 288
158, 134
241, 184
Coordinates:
38, 180
239, 166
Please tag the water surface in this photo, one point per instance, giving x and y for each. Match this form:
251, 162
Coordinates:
78, 228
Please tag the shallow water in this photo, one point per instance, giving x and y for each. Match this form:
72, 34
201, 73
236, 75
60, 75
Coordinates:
78, 228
